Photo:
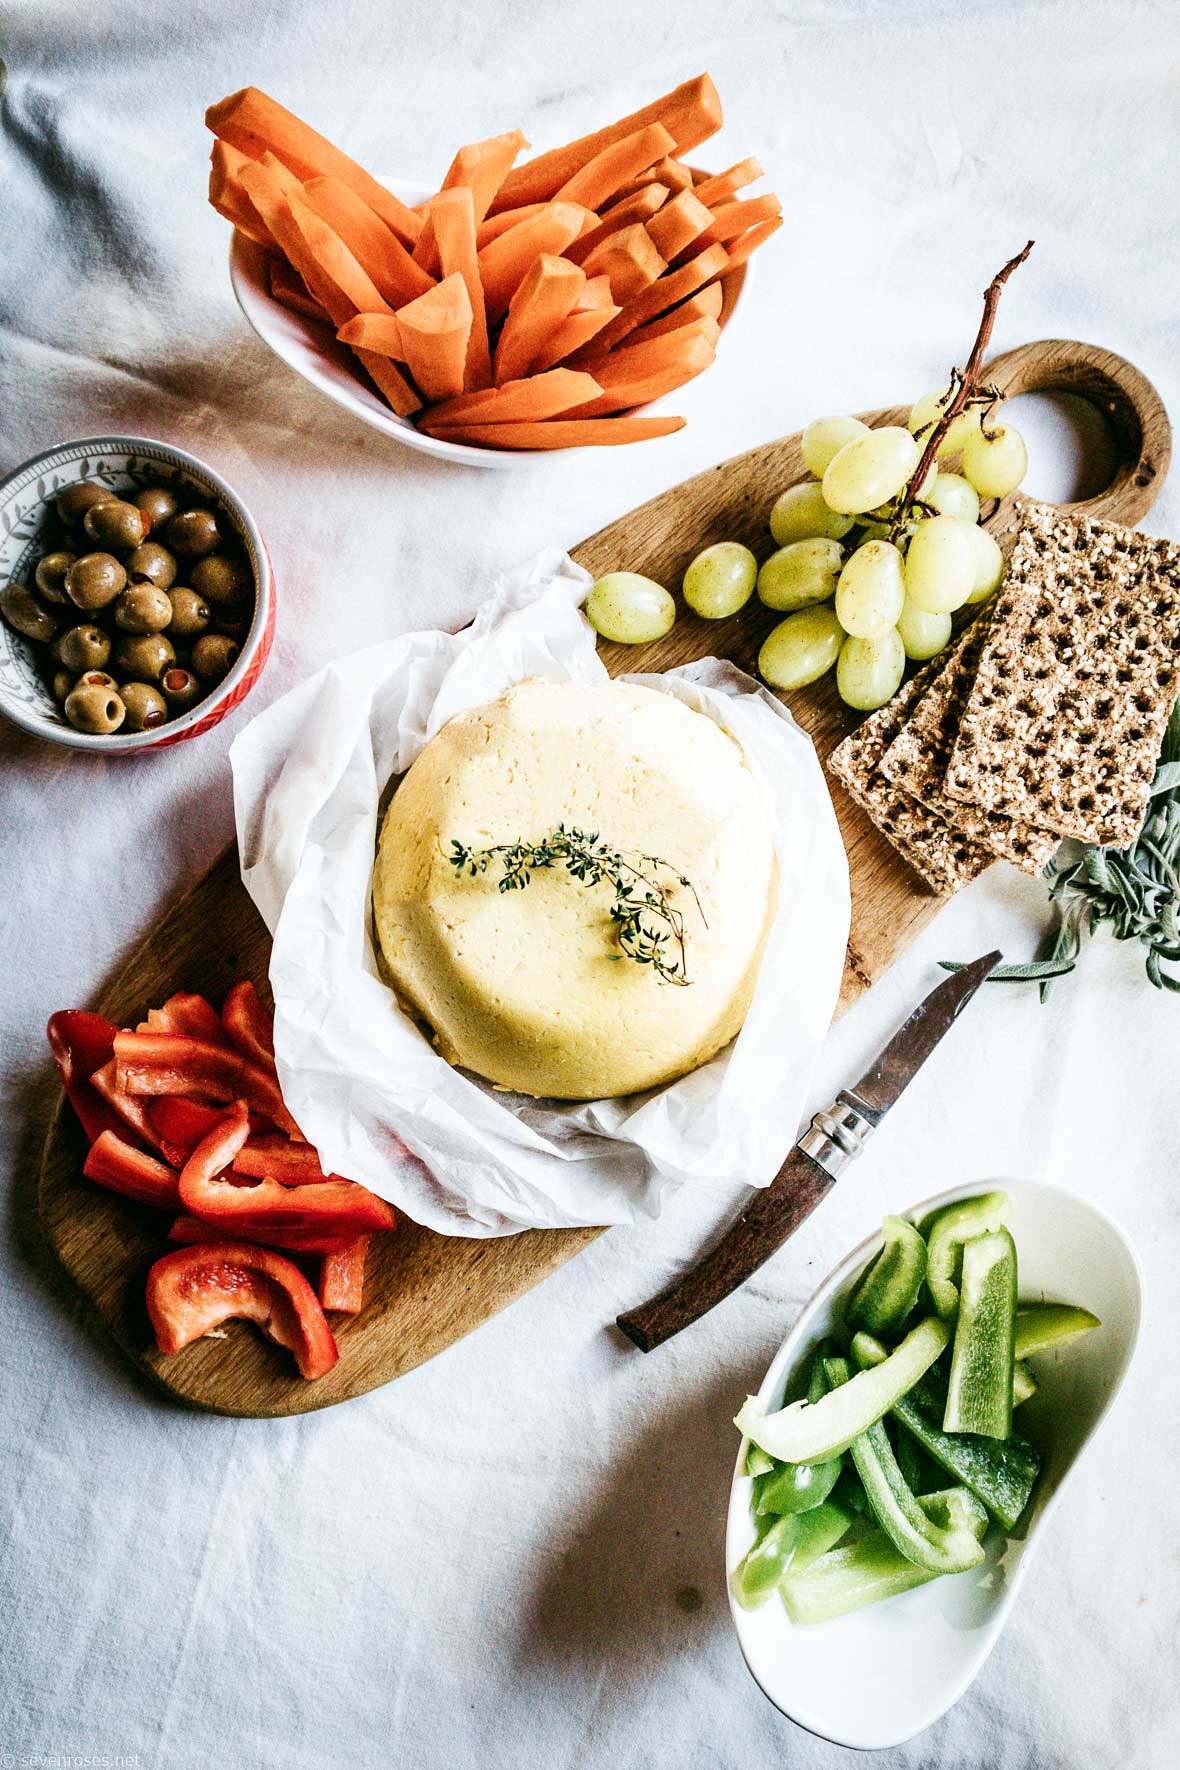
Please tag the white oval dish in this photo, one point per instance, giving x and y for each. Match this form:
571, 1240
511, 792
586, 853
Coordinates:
916, 1654
310, 349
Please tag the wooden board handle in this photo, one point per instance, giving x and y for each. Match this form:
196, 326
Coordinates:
1134, 411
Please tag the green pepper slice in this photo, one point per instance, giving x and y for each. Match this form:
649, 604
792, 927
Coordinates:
846, 1579
1024, 1384
797, 1487
897, 1511
888, 1289
1041, 1327
792, 1543
758, 1462
979, 1395
946, 1232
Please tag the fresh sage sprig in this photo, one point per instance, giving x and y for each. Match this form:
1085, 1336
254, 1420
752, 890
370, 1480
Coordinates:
648, 928
1135, 891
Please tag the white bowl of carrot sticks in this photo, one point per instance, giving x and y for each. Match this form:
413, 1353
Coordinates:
550, 305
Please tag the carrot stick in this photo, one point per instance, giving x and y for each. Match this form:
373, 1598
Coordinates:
670, 172
492, 226
435, 329
558, 433
452, 223
378, 332
228, 197
289, 288
723, 185
639, 207
595, 294
483, 167
252, 122
391, 382
678, 224
706, 304
706, 267
374, 246
322, 259
640, 356
625, 384
571, 335
749, 242
619, 162
729, 220
545, 298
690, 114
628, 259
504, 264
530, 399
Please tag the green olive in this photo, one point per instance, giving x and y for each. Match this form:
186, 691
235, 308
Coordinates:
62, 682
96, 710
94, 580
23, 612
51, 574
156, 503
143, 657
83, 648
220, 579
214, 656
193, 533
152, 564
141, 608
145, 706
72, 502
96, 679
115, 524
181, 689
191, 614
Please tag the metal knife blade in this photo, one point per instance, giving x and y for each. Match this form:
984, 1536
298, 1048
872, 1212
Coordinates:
832, 1140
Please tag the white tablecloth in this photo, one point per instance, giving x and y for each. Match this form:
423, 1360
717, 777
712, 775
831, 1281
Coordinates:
512, 1557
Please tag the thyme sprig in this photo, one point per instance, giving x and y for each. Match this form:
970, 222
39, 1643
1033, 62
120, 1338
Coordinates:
648, 927
1135, 891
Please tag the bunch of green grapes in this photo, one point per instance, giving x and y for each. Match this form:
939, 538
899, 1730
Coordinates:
859, 589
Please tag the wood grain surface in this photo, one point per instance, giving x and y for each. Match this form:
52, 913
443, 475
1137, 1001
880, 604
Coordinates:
424, 1291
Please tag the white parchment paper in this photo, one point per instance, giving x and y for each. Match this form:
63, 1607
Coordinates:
366, 1085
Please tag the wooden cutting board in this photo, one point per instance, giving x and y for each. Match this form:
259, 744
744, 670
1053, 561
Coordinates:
424, 1291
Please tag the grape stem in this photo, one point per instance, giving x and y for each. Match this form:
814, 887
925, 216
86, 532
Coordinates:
965, 383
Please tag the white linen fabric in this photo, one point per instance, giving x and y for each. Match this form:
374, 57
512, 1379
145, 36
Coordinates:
513, 1556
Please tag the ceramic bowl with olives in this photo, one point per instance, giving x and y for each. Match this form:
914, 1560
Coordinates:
136, 604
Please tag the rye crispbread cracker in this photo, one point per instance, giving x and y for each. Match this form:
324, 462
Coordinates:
943, 859
1076, 680
916, 760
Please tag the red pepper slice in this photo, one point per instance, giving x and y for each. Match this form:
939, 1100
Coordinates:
82, 1043
185, 1013
171, 1063
188, 1228
115, 1164
192, 1291
132, 1112
342, 1277
334, 1207
277, 1158
248, 1025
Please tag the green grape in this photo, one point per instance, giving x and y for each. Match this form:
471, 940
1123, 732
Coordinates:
869, 671
995, 464
630, 609
801, 648
941, 564
929, 410
989, 565
825, 437
952, 495
720, 580
870, 469
923, 634
871, 590
803, 573
800, 513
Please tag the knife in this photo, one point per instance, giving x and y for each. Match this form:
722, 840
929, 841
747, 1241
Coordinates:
832, 1140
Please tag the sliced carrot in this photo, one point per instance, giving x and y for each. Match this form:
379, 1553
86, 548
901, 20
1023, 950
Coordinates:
750, 241
595, 294
253, 122
732, 219
723, 185
435, 329
659, 296
618, 163
379, 332
629, 260
547, 296
639, 356
391, 382
670, 172
483, 167
528, 400
452, 223
691, 114
674, 228
492, 226
374, 246
558, 433
289, 288
706, 304
572, 334
504, 264
639, 207
228, 197
632, 378
320, 256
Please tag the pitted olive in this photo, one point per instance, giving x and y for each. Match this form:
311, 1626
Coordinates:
94, 580
193, 533
51, 574
96, 710
141, 608
115, 525
152, 564
84, 648
214, 656
143, 657
26, 615
145, 706
191, 614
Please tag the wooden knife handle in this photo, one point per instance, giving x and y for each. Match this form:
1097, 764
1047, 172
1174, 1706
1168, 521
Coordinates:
772, 1215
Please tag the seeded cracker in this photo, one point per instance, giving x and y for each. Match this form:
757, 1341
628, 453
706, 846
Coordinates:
1077, 678
916, 760
943, 859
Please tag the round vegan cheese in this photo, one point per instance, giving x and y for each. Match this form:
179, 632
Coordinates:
520, 986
